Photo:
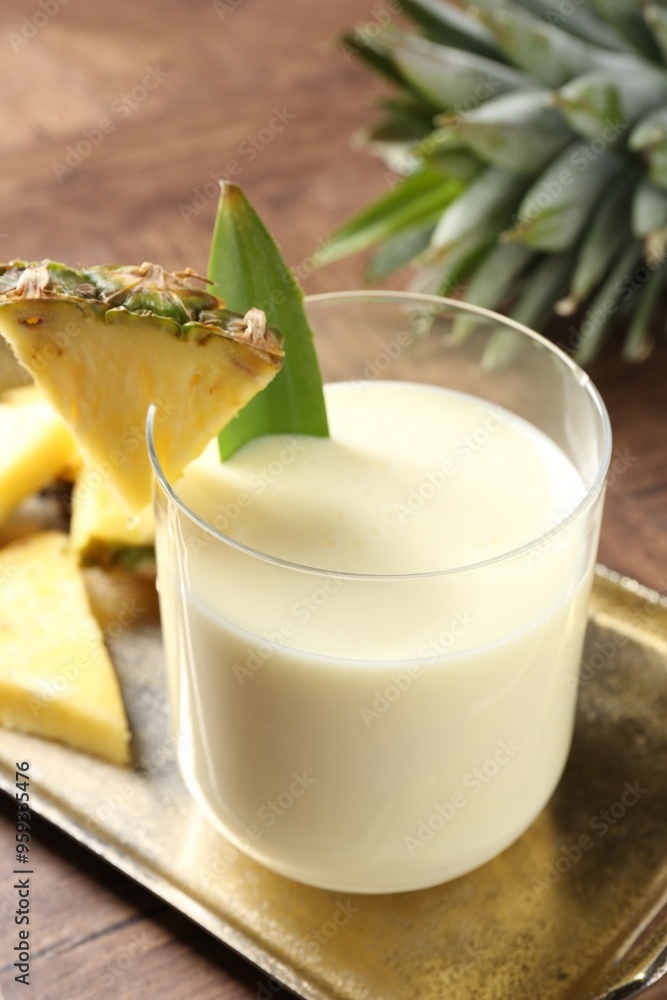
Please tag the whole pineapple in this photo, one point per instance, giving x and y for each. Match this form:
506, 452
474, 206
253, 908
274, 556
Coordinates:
534, 137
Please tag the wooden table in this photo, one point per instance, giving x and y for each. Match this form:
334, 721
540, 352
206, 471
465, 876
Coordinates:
117, 118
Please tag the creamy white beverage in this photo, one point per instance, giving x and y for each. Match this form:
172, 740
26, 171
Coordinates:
371, 698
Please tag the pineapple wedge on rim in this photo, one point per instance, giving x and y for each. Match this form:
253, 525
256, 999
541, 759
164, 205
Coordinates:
103, 343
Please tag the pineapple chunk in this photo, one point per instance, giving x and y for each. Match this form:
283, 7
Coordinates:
101, 531
56, 677
36, 446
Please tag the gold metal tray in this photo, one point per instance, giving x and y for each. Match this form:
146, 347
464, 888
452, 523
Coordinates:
575, 909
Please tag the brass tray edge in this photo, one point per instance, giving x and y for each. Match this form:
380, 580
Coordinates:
629, 585
650, 960
236, 939
648, 968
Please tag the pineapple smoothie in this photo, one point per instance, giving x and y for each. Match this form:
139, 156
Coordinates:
355, 710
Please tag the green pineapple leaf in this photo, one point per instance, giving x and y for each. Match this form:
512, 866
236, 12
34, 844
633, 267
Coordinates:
626, 17
656, 19
399, 250
448, 25
247, 270
420, 198
573, 104
446, 77
519, 131
606, 236
638, 340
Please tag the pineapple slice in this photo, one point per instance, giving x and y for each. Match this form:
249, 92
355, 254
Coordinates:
102, 533
56, 678
12, 374
106, 342
37, 446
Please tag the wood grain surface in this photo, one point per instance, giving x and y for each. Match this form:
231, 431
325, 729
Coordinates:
116, 120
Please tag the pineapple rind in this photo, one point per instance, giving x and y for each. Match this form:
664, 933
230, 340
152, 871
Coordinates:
56, 678
144, 290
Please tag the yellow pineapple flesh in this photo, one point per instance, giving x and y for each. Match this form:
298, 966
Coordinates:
105, 343
56, 677
37, 446
102, 533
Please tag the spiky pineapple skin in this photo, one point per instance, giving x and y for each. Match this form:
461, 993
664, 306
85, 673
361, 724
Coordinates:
105, 343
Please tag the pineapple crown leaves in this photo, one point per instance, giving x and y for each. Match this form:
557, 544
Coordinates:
524, 124
141, 290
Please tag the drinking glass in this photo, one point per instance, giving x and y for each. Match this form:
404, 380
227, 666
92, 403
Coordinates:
377, 733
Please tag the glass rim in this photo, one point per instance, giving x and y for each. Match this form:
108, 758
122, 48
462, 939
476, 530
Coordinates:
379, 295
